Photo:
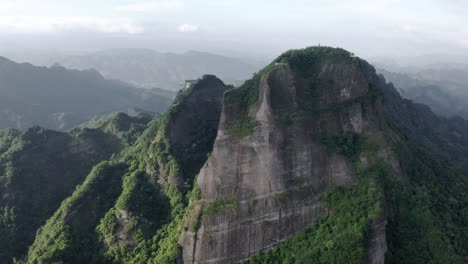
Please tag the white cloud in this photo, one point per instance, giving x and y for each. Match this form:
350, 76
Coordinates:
7, 4
42, 24
152, 6
185, 28
408, 28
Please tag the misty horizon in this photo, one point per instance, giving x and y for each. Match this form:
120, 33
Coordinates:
213, 132
256, 30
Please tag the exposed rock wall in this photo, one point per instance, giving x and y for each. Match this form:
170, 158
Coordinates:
192, 124
270, 180
203, 105
378, 241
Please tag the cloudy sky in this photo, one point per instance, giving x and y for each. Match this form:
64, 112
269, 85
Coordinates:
237, 27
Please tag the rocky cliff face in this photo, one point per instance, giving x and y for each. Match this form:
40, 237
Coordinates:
269, 166
302, 171
192, 124
130, 209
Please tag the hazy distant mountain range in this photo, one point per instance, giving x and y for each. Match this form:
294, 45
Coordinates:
315, 159
148, 68
59, 98
444, 89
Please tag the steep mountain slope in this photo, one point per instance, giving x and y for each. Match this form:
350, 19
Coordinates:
429, 216
150, 69
39, 168
315, 159
443, 97
275, 126
425, 206
318, 141
58, 98
131, 209
445, 137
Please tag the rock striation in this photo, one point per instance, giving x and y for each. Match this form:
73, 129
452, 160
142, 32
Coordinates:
268, 165
133, 203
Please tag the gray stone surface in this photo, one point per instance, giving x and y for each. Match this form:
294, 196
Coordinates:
274, 176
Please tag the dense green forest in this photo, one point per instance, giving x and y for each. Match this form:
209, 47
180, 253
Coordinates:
129, 194
39, 168
428, 217
131, 212
428, 221
343, 236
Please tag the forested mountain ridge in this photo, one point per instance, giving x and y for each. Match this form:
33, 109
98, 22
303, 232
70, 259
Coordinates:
389, 195
40, 167
444, 97
297, 129
152, 69
316, 159
131, 208
58, 98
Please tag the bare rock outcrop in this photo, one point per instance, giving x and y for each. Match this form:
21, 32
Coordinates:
261, 187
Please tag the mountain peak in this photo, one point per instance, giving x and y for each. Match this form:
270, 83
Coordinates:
4, 60
315, 147
275, 126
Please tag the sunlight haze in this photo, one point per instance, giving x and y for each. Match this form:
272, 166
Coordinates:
367, 27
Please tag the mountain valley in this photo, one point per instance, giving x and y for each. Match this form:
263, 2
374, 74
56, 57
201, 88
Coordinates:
315, 159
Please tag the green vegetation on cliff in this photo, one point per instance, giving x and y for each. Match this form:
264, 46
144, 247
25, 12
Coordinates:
39, 168
131, 209
347, 144
426, 205
142, 220
242, 100
430, 214
308, 61
126, 128
70, 234
429, 222
341, 237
